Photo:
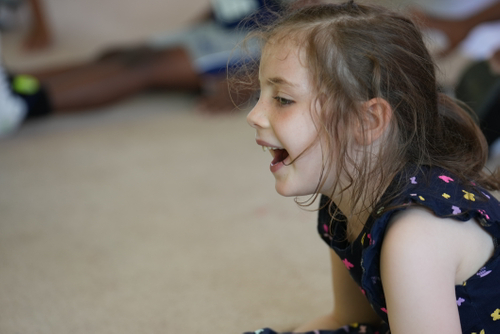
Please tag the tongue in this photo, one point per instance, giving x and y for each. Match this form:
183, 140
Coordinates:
279, 156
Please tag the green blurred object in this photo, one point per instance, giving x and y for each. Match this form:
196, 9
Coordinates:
25, 84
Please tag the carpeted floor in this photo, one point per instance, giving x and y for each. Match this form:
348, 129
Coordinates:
146, 217
163, 223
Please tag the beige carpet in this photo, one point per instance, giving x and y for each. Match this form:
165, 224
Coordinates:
146, 217
163, 223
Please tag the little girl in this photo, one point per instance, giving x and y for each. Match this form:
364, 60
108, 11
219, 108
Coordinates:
350, 111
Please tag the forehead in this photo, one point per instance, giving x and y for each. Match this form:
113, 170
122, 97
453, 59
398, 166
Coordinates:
282, 48
283, 57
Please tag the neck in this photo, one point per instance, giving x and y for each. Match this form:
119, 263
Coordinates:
356, 216
358, 213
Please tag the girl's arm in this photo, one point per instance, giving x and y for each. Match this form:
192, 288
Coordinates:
349, 304
419, 261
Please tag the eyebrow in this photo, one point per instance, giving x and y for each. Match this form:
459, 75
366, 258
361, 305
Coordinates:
280, 81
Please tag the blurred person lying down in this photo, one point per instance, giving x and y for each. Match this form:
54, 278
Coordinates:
194, 59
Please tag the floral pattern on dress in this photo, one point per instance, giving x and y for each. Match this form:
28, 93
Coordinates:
477, 299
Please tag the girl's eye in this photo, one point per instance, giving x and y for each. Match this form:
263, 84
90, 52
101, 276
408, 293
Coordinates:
282, 101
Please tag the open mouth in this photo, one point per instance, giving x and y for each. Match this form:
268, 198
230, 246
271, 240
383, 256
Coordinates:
279, 155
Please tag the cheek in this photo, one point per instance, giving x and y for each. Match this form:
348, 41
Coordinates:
304, 129
312, 158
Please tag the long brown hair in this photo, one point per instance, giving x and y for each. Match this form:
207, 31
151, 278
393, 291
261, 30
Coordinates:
359, 52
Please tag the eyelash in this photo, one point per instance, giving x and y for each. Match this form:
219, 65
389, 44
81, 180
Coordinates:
282, 101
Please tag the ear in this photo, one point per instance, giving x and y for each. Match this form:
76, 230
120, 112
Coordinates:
377, 114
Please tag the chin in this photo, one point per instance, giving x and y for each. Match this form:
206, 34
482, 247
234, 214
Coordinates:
291, 192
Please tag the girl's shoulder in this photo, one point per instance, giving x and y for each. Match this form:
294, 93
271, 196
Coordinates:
445, 195
437, 190
444, 232
432, 209
431, 202
418, 262
421, 238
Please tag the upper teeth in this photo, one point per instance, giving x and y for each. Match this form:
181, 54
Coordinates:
267, 148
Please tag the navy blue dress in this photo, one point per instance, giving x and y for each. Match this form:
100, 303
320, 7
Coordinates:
478, 298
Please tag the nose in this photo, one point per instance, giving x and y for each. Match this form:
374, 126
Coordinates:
257, 117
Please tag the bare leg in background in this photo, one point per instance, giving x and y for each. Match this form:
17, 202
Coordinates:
117, 75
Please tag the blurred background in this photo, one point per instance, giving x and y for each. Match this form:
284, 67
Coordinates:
147, 215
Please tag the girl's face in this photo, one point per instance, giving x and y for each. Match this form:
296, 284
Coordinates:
283, 119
